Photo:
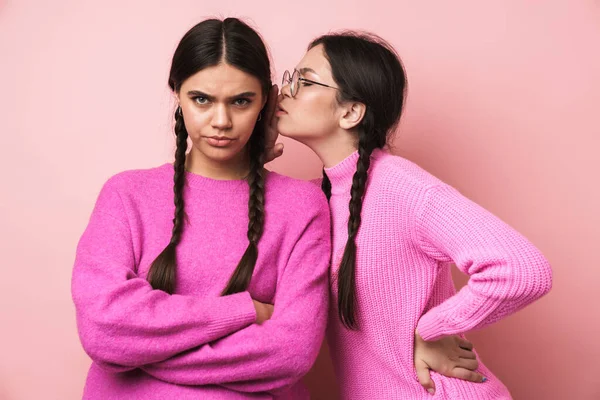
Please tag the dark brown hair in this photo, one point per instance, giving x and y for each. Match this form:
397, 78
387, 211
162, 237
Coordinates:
367, 70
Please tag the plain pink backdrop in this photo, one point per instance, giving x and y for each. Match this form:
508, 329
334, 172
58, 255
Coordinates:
504, 104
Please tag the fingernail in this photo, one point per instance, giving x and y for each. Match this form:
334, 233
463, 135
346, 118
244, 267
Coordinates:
431, 391
484, 379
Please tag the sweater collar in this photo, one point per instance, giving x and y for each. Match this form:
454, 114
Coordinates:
341, 174
213, 185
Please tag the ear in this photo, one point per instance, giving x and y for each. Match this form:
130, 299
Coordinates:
352, 114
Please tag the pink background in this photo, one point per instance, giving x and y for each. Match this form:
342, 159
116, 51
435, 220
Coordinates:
504, 104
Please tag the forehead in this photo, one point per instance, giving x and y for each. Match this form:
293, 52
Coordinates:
315, 59
222, 79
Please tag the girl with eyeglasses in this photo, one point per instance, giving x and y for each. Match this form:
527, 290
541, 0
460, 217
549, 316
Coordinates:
396, 229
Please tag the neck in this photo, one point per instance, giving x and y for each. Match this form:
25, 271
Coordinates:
236, 168
334, 148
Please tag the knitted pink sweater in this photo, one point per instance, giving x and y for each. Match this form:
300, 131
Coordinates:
413, 225
196, 344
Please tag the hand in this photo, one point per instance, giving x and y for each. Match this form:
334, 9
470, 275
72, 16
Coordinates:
272, 149
263, 311
451, 356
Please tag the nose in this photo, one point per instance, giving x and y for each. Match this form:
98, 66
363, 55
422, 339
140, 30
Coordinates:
286, 91
280, 97
221, 119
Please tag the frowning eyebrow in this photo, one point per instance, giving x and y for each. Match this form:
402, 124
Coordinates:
198, 93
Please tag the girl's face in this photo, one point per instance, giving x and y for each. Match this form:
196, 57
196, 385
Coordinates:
313, 113
220, 107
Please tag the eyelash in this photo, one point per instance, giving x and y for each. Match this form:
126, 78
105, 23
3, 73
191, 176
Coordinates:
246, 102
200, 98
236, 102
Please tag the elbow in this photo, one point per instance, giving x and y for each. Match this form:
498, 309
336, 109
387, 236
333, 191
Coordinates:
302, 366
295, 366
103, 348
535, 281
544, 276
96, 348
106, 356
302, 358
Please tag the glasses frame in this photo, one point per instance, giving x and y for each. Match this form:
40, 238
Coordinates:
294, 80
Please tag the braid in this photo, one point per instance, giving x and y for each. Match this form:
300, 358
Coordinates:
347, 271
326, 185
358, 189
256, 215
179, 178
256, 201
162, 271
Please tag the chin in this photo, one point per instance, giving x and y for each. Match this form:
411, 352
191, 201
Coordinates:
298, 136
222, 154
284, 130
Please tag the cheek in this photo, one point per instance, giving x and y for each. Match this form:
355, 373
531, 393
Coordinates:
309, 116
244, 125
320, 112
196, 122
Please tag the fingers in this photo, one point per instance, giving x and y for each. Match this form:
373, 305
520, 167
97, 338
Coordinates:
424, 376
278, 150
464, 343
469, 354
272, 149
263, 311
270, 309
467, 375
467, 364
273, 152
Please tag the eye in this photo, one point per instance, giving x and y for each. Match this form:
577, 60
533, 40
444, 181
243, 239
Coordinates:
241, 102
305, 83
201, 100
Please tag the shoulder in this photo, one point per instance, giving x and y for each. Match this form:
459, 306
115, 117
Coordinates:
133, 183
137, 177
295, 194
401, 176
134, 179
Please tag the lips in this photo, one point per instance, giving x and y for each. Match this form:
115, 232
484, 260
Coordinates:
281, 110
219, 141
219, 137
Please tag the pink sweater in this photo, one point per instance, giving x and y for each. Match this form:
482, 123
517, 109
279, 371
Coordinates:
413, 225
196, 344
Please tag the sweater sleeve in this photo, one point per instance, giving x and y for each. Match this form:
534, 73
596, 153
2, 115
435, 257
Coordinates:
275, 355
122, 322
506, 271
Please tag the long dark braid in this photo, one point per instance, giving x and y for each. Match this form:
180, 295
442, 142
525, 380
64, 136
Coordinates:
347, 273
326, 185
162, 271
256, 215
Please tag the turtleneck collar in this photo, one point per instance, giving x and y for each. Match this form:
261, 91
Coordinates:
341, 175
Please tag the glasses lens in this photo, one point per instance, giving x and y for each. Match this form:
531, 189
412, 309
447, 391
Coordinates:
294, 85
286, 78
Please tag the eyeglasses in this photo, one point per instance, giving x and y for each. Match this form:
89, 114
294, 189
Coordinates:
294, 80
